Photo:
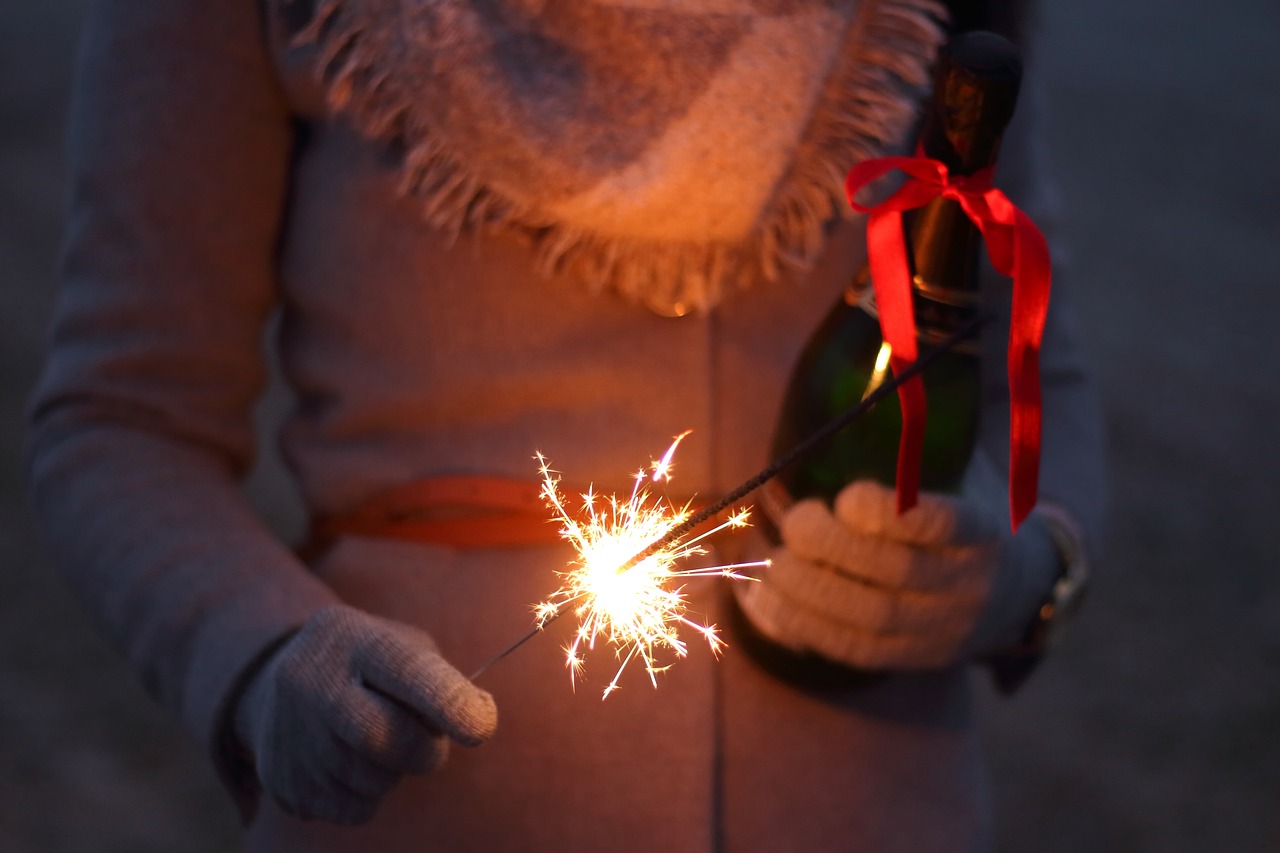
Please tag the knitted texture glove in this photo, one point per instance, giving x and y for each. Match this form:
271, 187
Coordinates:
348, 705
866, 587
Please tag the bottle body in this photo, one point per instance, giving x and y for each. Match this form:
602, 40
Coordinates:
844, 360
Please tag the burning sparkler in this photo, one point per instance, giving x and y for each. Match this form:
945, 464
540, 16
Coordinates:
636, 611
621, 587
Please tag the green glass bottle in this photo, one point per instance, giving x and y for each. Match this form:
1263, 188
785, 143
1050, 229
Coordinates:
975, 88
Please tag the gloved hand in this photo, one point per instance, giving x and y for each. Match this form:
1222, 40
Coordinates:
348, 705
942, 583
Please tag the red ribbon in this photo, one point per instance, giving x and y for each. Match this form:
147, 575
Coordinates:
1017, 249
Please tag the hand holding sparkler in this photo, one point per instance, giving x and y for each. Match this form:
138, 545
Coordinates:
349, 704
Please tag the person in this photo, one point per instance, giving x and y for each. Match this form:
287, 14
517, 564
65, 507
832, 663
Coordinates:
476, 230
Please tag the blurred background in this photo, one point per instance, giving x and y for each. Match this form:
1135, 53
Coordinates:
1156, 727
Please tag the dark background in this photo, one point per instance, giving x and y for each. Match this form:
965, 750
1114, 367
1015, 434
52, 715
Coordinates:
1156, 727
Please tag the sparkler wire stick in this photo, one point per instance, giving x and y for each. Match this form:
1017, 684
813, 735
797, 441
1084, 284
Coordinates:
808, 445
533, 632
813, 441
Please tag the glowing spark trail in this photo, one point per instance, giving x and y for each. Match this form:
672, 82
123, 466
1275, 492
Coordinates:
623, 592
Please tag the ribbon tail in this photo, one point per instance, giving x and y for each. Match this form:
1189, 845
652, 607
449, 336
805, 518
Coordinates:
1032, 283
911, 444
891, 278
1024, 439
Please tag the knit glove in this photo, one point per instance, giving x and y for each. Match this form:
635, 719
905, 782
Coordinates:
945, 582
348, 705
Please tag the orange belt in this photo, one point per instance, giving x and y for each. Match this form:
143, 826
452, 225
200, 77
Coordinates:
462, 511
456, 511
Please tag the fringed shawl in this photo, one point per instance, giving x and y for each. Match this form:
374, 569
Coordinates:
665, 149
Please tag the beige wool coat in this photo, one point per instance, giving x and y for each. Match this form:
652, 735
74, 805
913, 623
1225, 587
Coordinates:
214, 191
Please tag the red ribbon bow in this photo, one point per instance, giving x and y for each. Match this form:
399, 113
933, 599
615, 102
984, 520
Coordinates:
1017, 249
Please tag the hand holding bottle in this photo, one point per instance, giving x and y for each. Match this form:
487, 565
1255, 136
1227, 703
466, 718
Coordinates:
347, 706
945, 582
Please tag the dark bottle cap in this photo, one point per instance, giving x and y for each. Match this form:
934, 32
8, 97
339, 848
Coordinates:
976, 84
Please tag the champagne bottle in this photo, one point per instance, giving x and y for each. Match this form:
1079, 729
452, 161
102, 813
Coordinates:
975, 88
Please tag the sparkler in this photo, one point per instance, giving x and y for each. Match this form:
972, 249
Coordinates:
628, 552
627, 601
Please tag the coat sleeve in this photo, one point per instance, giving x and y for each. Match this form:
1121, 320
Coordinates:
141, 425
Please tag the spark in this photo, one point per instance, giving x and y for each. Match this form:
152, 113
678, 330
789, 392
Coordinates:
625, 592
880, 370
662, 467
